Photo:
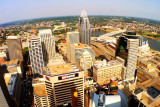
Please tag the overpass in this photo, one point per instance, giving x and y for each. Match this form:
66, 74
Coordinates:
111, 34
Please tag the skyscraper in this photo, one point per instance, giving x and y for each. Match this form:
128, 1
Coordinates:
15, 48
36, 55
127, 48
56, 86
72, 37
84, 28
10, 86
48, 44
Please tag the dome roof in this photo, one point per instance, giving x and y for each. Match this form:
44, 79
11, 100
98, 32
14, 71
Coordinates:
84, 14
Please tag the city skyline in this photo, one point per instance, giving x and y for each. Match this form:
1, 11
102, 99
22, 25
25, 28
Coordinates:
95, 61
18, 10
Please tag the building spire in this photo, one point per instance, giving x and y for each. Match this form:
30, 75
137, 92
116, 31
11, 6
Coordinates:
84, 14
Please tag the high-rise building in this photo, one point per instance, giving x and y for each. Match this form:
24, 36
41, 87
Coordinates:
48, 44
13, 66
15, 48
10, 88
72, 37
77, 51
86, 62
103, 71
127, 49
40, 95
84, 28
57, 83
36, 55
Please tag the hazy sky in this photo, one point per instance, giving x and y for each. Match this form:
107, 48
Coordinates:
11, 10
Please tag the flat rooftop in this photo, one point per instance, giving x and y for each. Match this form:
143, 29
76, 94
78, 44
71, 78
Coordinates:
62, 69
11, 63
153, 92
39, 90
103, 64
80, 45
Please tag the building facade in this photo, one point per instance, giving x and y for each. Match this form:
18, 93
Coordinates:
48, 44
57, 83
86, 62
15, 48
77, 51
127, 49
10, 89
13, 66
103, 71
72, 37
36, 55
84, 28
40, 95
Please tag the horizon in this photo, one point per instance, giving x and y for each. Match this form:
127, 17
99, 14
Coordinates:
75, 16
32, 9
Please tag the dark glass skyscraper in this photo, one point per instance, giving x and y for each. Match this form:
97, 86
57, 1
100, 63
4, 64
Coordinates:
127, 48
84, 28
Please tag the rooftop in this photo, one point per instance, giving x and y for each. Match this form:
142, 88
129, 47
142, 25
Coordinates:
153, 92
62, 69
103, 64
11, 63
40, 90
80, 45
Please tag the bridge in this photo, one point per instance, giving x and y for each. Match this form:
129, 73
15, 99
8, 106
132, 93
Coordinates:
111, 34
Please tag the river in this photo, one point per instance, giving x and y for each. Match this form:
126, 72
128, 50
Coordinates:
154, 44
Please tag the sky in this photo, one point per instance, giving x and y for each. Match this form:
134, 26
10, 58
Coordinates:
13, 10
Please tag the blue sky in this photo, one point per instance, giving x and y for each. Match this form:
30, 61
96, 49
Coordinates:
12, 10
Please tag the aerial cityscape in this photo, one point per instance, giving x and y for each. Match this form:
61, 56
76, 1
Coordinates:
80, 60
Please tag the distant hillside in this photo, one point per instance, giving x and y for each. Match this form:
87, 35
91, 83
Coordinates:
102, 19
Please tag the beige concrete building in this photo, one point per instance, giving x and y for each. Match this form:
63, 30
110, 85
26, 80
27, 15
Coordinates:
77, 50
39, 92
86, 62
72, 37
57, 83
103, 71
